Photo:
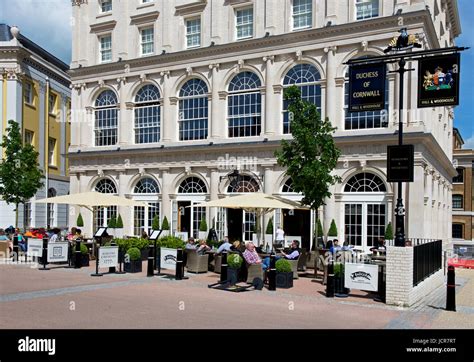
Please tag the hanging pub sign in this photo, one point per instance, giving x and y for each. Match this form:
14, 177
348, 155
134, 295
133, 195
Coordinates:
400, 163
438, 81
367, 87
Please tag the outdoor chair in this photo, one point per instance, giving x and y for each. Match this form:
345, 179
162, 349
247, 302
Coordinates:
4, 249
302, 261
217, 264
197, 263
254, 271
294, 267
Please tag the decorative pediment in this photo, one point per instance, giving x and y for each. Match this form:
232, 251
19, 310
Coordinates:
191, 8
103, 27
144, 18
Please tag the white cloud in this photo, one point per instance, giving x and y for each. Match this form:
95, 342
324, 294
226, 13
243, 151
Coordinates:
46, 22
469, 143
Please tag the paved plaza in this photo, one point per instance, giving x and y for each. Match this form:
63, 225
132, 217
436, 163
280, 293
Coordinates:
69, 298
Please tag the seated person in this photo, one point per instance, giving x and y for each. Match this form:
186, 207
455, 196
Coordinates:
251, 256
226, 246
78, 234
190, 245
346, 246
203, 247
293, 254
335, 247
380, 246
55, 236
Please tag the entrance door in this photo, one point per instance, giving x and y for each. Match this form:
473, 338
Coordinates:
297, 223
234, 224
364, 223
184, 217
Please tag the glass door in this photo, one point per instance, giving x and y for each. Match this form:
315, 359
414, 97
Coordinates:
376, 221
364, 223
353, 224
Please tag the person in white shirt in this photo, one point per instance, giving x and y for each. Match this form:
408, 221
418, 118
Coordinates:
55, 237
280, 236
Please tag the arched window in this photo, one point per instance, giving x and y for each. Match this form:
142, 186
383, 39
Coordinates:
146, 186
288, 187
244, 184
364, 120
365, 182
245, 106
106, 186
458, 202
106, 119
102, 215
192, 185
193, 110
147, 115
307, 78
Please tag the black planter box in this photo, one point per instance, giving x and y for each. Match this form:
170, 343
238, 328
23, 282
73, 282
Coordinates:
284, 280
134, 266
339, 289
85, 259
144, 254
233, 275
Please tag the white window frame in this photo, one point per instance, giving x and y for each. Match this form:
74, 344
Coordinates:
103, 50
293, 17
28, 91
237, 25
52, 151
188, 35
142, 43
358, 3
52, 106
101, 6
28, 134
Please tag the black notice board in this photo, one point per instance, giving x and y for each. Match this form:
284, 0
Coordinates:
400, 163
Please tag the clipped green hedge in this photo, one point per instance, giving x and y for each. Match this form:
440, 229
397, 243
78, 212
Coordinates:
234, 261
125, 244
171, 242
338, 269
283, 266
134, 254
84, 249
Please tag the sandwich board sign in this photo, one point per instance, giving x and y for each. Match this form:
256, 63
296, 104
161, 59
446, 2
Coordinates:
35, 247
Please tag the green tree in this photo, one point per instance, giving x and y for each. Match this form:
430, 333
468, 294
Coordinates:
389, 232
155, 224
119, 223
165, 225
20, 175
332, 229
80, 221
312, 155
203, 225
269, 229
112, 223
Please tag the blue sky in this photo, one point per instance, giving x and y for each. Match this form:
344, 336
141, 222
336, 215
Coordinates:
49, 23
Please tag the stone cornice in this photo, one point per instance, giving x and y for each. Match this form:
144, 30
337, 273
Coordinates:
103, 26
382, 25
193, 8
144, 18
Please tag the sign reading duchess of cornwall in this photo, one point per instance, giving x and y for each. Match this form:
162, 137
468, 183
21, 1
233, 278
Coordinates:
438, 81
367, 87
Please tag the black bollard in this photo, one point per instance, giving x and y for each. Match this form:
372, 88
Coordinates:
44, 256
272, 274
179, 264
78, 255
224, 267
451, 290
330, 286
151, 256
97, 274
158, 259
112, 269
16, 248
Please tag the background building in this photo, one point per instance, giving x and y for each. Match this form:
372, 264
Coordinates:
463, 200
177, 93
35, 92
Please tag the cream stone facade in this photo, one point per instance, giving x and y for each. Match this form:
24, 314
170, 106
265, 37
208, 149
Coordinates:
213, 99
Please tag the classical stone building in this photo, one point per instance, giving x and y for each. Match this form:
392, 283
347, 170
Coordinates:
463, 191
169, 96
35, 93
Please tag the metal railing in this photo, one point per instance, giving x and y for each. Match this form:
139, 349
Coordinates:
427, 258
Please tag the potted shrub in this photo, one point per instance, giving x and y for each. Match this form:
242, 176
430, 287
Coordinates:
332, 233
111, 225
269, 233
80, 221
339, 289
234, 263
119, 227
389, 232
133, 261
85, 255
155, 224
165, 226
284, 276
203, 229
